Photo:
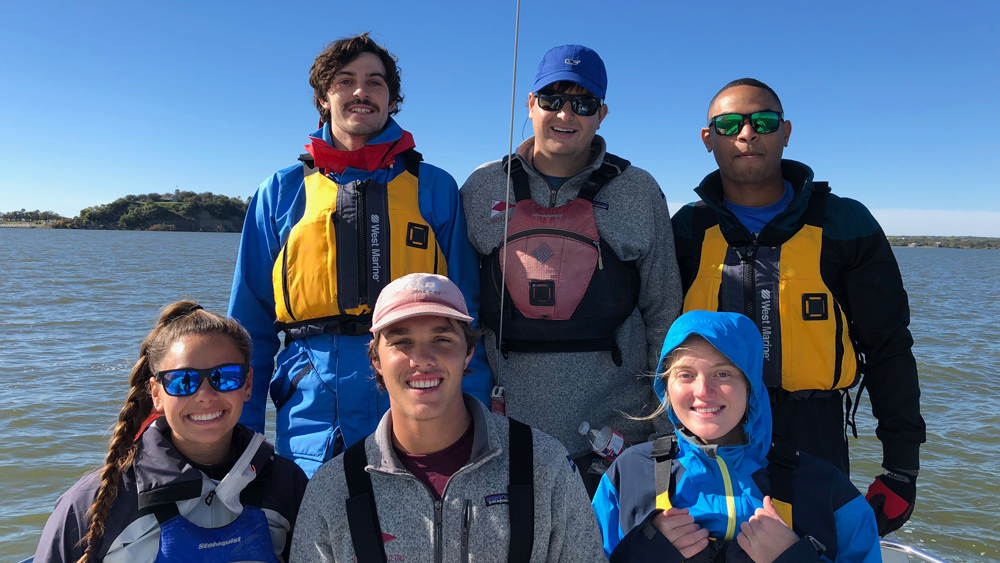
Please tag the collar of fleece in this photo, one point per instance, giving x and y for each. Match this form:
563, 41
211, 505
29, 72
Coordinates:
375, 154
702, 487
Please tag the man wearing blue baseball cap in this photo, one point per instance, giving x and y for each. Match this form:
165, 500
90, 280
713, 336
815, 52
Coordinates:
576, 303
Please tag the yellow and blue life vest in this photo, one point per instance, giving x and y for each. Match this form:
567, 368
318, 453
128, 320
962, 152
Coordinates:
351, 241
807, 345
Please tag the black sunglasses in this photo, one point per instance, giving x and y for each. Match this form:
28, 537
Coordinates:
582, 105
185, 382
763, 122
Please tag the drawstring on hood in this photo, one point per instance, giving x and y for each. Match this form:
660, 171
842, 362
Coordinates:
721, 493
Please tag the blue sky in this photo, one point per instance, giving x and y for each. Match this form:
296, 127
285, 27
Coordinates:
894, 103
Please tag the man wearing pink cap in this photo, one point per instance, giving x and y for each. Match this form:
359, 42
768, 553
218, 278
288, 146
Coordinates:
491, 486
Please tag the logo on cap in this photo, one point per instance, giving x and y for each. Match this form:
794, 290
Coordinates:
426, 284
572, 61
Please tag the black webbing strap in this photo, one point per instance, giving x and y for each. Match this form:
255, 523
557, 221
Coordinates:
339, 325
412, 159
165, 512
609, 169
664, 451
362, 518
783, 459
521, 493
518, 178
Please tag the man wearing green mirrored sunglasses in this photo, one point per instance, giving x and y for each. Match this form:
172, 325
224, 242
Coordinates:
816, 274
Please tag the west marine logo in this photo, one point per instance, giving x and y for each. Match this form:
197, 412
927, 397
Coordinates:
376, 248
765, 321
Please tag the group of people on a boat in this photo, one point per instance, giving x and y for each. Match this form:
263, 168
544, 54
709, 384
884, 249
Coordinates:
541, 366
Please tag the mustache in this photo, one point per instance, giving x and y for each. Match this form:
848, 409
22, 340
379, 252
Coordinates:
360, 102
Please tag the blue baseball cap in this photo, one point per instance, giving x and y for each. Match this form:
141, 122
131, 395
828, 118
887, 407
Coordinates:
576, 64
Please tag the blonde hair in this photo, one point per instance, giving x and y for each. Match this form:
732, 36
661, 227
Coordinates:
176, 321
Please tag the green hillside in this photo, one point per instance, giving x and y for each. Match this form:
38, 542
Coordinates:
180, 211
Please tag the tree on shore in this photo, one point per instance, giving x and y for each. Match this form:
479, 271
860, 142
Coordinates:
36, 215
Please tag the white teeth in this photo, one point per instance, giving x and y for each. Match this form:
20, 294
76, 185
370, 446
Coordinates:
206, 416
564, 130
707, 410
424, 384
360, 110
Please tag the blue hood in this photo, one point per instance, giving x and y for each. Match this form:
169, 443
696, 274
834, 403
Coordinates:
702, 487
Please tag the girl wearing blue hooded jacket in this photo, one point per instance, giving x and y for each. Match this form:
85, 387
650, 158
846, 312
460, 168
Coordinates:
717, 478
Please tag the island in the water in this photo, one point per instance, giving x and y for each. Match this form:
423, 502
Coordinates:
179, 211
946, 242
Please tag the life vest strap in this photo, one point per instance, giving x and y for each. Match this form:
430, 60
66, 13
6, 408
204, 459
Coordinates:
342, 325
780, 396
609, 169
664, 451
783, 459
362, 516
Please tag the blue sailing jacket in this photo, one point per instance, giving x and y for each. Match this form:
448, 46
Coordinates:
323, 386
722, 486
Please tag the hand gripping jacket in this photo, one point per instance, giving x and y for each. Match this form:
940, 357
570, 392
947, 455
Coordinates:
565, 289
363, 232
167, 510
722, 486
774, 278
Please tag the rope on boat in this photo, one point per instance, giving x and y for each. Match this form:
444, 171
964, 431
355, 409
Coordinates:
506, 210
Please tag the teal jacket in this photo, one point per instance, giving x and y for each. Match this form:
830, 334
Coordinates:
825, 503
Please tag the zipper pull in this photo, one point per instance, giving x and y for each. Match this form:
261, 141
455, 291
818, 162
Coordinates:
210, 497
600, 260
552, 197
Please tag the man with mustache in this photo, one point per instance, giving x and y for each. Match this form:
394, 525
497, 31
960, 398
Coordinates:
817, 275
321, 240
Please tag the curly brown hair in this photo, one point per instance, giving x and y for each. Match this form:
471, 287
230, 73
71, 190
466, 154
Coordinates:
339, 54
176, 320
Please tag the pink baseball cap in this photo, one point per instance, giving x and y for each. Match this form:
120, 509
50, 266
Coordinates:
415, 295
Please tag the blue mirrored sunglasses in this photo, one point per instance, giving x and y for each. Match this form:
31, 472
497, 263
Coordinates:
185, 382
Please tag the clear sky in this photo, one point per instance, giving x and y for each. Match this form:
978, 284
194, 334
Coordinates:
894, 103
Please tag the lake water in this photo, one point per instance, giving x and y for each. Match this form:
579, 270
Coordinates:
74, 306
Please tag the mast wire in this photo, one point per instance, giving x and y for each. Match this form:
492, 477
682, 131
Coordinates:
506, 210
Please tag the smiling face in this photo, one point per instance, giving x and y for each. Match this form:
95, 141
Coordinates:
358, 101
201, 424
564, 135
422, 361
747, 158
707, 392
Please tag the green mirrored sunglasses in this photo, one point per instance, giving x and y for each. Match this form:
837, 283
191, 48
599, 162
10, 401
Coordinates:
762, 122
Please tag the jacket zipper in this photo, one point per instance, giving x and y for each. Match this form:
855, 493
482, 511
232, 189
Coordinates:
284, 281
552, 196
730, 501
438, 525
362, 236
466, 521
750, 279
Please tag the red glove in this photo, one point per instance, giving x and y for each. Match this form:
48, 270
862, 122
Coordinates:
892, 497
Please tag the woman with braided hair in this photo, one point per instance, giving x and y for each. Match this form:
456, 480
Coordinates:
182, 480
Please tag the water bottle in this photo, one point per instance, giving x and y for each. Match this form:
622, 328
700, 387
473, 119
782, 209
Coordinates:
605, 442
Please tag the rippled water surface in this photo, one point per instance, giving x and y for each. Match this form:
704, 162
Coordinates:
74, 306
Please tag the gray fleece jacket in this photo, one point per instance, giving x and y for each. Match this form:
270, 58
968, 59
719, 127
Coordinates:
565, 526
555, 392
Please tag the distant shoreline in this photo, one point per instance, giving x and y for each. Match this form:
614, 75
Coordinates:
976, 243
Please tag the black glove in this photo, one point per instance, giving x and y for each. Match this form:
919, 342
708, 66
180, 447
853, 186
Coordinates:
892, 497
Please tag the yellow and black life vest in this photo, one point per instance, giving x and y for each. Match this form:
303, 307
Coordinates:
351, 241
807, 345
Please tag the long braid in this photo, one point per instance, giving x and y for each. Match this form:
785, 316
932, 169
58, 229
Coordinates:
139, 404
121, 452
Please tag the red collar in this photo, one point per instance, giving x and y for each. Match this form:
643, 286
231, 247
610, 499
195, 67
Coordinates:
369, 157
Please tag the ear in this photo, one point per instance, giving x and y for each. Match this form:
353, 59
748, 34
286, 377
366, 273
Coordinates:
706, 137
602, 114
156, 392
392, 107
531, 105
788, 131
248, 388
